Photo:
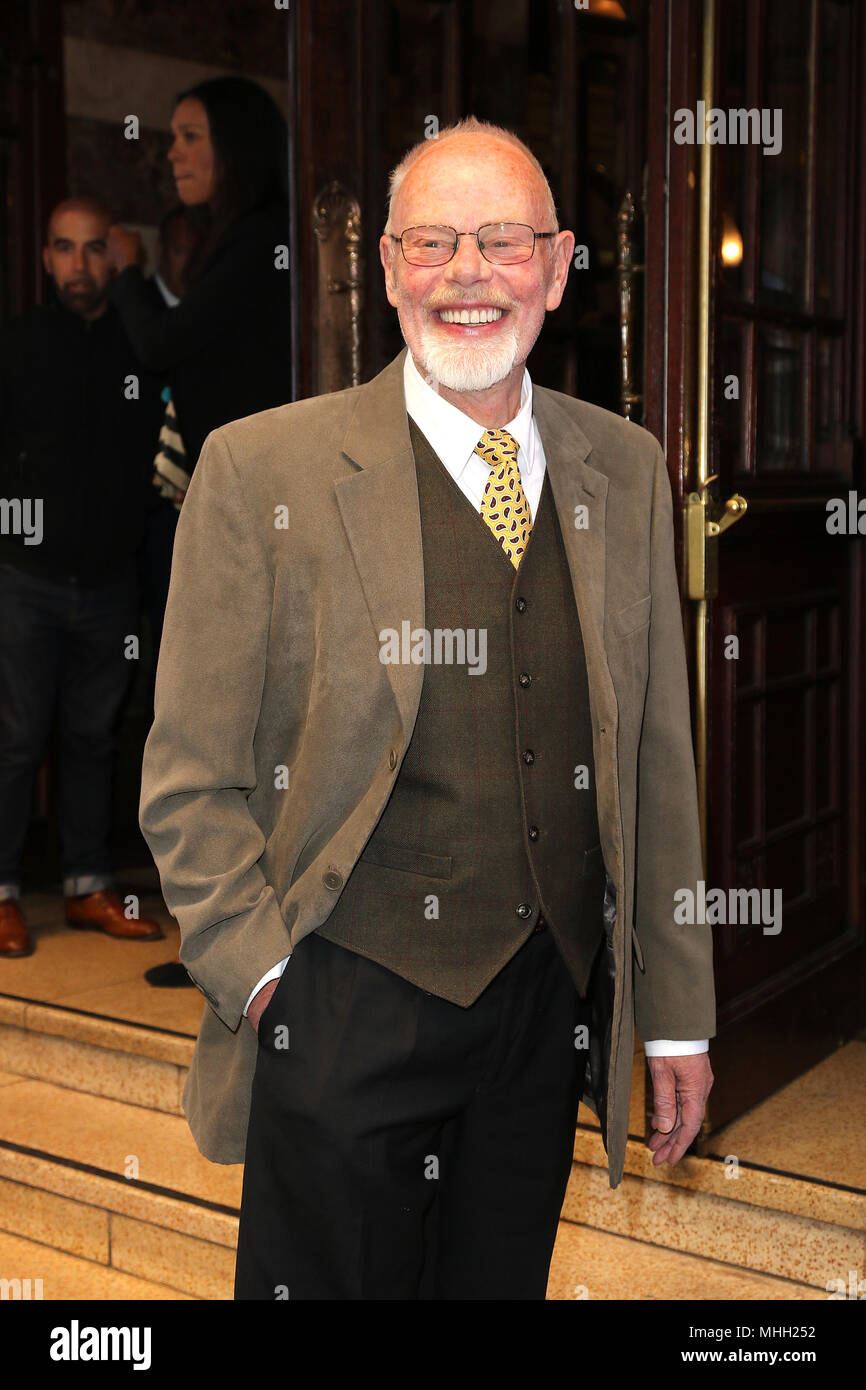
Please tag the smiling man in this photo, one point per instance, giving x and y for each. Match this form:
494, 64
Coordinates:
424, 909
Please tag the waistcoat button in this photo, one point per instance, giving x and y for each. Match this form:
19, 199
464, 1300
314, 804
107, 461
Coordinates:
520, 605
524, 910
524, 679
533, 832
529, 757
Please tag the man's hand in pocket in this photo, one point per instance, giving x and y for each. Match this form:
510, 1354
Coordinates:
260, 1002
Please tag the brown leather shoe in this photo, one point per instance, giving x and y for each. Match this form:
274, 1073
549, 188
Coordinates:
14, 940
103, 911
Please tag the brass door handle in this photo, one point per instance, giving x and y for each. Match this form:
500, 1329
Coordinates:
701, 527
734, 510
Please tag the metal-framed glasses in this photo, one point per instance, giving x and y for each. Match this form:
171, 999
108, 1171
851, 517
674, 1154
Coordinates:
501, 243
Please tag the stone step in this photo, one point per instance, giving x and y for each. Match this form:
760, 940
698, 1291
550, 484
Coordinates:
592, 1264
101, 1056
79, 1012
586, 1264
116, 1184
56, 1276
774, 1224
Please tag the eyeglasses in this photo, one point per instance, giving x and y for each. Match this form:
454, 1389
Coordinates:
501, 243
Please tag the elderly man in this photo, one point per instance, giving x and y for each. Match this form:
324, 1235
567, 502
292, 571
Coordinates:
420, 785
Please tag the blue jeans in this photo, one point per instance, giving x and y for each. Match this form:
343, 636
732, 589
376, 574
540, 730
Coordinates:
62, 644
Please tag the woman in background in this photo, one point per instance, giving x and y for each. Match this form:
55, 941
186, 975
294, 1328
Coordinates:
224, 348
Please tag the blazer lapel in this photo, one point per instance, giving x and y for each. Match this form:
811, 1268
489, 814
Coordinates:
382, 518
575, 485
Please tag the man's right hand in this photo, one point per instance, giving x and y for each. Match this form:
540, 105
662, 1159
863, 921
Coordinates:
260, 1002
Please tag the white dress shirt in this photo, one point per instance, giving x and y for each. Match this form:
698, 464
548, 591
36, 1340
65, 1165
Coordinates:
453, 436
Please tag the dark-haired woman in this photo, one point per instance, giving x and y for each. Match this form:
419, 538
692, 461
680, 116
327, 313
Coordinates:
224, 349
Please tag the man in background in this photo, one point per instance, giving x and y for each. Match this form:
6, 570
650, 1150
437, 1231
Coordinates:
78, 421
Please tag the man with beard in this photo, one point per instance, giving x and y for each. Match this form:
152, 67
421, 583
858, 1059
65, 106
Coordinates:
427, 905
79, 421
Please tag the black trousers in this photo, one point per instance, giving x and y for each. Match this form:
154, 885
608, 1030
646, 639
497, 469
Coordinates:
403, 1147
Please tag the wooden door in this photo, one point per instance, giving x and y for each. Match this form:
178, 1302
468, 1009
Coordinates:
779, 422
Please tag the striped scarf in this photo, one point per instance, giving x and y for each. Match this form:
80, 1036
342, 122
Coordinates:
170, 474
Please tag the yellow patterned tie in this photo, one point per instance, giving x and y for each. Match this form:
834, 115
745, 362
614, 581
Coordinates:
504, 506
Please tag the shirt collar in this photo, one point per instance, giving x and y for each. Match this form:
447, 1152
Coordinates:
453, 434
168, 295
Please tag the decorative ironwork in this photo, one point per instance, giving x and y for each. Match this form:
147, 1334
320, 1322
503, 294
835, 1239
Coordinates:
340, 290
631, 400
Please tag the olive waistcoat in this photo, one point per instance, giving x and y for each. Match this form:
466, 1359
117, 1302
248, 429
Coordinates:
492, 819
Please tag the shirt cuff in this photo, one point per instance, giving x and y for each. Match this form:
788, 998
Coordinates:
664, 1047
273, 974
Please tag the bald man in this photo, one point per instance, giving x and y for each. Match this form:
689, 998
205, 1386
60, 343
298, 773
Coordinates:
420, 785
79, 423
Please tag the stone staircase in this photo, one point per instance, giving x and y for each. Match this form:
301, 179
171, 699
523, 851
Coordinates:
96, 1160
103, 1193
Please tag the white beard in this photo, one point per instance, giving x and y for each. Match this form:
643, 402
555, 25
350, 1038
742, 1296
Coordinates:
469, 366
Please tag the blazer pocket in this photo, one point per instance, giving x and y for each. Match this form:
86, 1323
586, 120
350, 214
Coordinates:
630, 619
410, 861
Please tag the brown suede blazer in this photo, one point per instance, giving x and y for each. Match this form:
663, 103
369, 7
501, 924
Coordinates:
298, 541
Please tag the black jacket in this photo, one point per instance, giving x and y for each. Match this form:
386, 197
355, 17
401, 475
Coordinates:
225, 349
74, 434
